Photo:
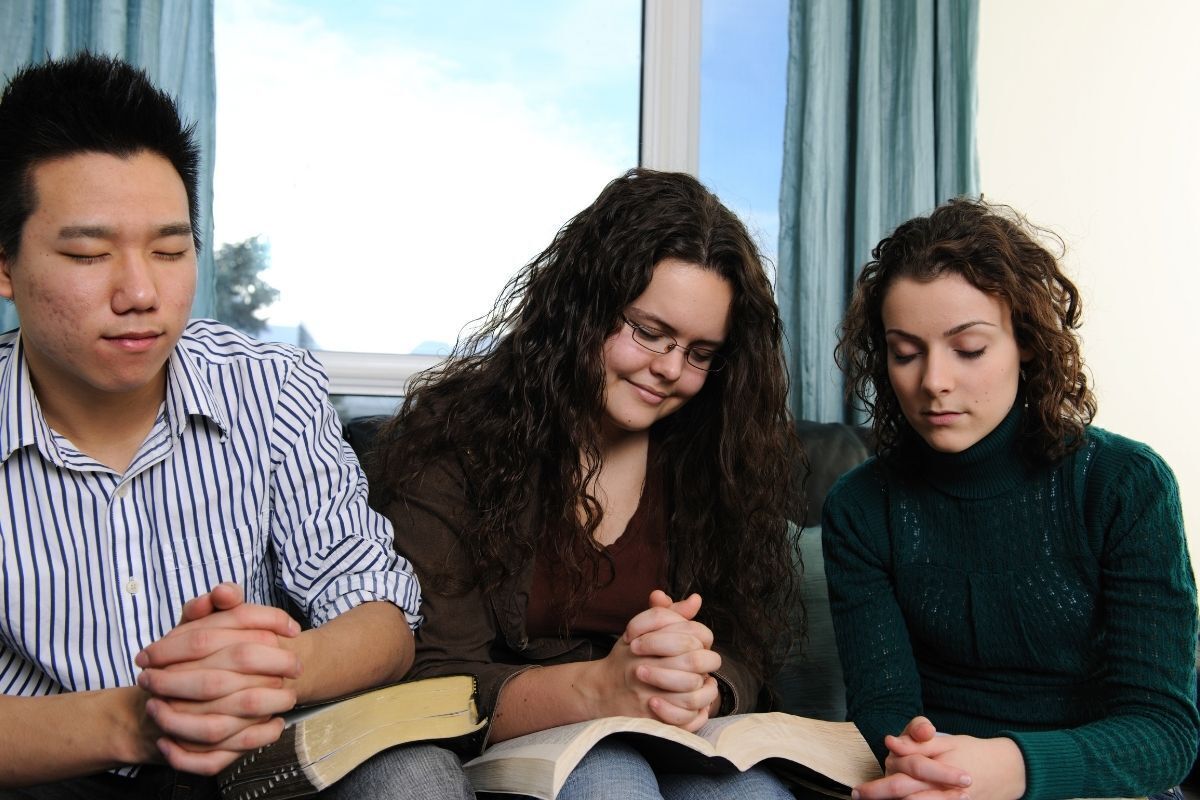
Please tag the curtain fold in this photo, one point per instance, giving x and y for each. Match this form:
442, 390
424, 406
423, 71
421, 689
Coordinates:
879, 127
171, 39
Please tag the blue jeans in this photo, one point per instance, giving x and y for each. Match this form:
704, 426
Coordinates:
614, 768
420, 772
413, 772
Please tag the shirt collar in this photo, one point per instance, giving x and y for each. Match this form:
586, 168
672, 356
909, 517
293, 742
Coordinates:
23, 423
189, 391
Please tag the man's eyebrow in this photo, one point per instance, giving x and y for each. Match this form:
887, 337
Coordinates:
176, 229
85, 232
105, 232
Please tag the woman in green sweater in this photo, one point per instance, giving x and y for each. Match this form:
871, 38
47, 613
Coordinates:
1002, 572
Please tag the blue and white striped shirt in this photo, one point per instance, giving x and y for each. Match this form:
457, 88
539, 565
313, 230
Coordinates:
244, 477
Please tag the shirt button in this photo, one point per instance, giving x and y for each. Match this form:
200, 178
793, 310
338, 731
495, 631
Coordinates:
123, 491
133, 586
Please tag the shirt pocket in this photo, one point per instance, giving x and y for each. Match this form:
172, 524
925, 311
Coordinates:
196, 561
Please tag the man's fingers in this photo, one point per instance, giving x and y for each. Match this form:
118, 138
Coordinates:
201, 643
222, 597
202, 685
206, 730
252, 703
203, 760
244, 616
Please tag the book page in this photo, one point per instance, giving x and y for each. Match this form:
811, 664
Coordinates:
834, 749
545, 758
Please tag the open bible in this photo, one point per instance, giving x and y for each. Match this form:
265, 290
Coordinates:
322, 743
828, 757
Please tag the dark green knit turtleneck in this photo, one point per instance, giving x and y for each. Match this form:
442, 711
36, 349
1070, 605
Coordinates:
1054, 605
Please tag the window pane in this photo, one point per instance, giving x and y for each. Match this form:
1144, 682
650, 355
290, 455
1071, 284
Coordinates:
743, 91
399, 161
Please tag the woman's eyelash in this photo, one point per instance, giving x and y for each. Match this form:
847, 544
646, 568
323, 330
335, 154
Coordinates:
972, 353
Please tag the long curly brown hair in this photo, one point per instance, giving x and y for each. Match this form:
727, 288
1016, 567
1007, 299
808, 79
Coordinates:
520, 402
998, 252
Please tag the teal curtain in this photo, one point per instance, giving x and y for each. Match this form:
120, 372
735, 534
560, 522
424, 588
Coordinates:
879, 127
171, 39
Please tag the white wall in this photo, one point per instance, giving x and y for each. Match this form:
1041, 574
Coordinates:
1089, 122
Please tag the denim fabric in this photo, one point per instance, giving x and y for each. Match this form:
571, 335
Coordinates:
414, 772
615, 769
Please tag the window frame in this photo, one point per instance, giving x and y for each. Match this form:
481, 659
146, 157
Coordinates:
669, 140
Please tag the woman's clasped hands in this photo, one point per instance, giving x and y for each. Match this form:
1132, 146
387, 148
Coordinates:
661, 666
923, 765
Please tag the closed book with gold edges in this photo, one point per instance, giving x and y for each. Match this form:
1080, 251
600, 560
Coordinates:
323, 743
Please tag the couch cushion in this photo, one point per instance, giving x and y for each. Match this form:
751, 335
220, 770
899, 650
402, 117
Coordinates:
832, 449
810, 682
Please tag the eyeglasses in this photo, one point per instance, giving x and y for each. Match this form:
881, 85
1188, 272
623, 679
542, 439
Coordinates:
702, 358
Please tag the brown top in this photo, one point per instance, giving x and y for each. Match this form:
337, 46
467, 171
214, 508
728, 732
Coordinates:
635, 565
466, 633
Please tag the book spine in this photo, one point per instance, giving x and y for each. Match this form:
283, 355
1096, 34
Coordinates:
273, 771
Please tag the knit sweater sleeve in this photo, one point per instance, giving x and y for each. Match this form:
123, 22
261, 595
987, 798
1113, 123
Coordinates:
883, 687
1147, 738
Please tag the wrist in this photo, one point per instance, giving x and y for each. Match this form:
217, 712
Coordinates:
135, 736
1014, 766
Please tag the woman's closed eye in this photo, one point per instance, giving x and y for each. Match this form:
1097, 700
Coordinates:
650, 335
971, 354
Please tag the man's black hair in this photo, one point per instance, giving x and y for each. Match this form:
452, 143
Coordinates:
84, 104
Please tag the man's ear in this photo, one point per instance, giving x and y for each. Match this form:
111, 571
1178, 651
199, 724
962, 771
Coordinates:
5, 279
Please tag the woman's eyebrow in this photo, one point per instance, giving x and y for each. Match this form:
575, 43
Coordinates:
957, 329
660, 324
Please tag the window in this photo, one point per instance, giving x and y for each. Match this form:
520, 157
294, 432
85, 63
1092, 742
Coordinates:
743, 94
386, 166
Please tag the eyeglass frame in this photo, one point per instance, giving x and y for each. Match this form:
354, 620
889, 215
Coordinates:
717, 363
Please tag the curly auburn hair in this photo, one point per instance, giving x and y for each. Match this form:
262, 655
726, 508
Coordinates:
997, 251
520, 403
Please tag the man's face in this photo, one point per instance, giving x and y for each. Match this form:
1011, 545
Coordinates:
104, 277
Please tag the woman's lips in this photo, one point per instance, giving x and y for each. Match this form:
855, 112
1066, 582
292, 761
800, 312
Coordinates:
941, 417
648, 395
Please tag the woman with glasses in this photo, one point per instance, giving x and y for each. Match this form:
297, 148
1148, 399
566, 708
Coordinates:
592, 488
1003, 573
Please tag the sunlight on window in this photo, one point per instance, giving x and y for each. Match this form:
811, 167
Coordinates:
399, 161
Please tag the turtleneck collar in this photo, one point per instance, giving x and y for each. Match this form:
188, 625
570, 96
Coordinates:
990, 467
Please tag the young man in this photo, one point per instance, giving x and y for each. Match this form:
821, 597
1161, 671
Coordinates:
167, 485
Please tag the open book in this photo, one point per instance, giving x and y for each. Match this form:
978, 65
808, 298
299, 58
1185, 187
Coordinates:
829, 757
322, 743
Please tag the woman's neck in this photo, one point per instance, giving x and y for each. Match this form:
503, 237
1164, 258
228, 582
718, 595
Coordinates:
617, 486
